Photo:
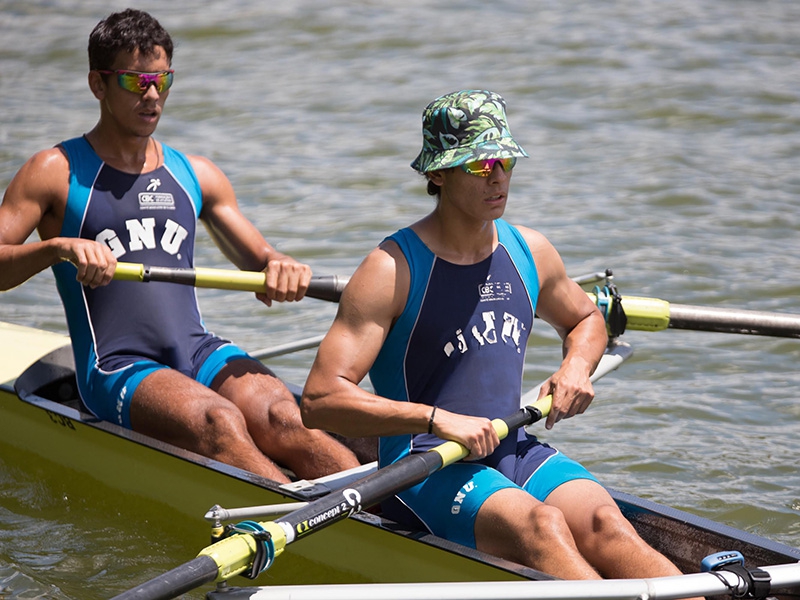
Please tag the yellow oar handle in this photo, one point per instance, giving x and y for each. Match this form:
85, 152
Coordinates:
226, 279
451, 452
325, 287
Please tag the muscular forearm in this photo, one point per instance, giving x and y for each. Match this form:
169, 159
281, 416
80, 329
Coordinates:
586, 342
18, 263
570, 385
354, 412
361, 414
95, 262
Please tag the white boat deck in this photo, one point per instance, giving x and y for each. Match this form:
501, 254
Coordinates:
22, 346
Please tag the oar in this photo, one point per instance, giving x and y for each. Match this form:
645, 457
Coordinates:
652, 314
288, 348
260, 543
642, 314
322, 287
720, 583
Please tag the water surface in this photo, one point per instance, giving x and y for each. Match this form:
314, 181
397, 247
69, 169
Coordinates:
664, 144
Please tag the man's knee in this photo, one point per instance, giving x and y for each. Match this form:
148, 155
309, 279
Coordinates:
531, 533
547, 522
284, 414
609, 527
535, 524
222, 420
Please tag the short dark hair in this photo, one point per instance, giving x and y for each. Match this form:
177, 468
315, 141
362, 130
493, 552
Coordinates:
126, 31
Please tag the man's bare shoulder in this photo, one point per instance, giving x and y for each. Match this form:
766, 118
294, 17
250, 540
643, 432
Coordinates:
379, 268
381, 281
200, 162
215, 185
43, 178
36, 197
206, 169
535, 239
548, 261
47, 160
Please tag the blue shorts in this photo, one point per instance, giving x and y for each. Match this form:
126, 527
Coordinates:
109, 393
447, 502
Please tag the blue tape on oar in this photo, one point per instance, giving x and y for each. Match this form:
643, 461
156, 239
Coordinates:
265, 548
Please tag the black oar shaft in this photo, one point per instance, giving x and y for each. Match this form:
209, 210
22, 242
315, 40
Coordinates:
180, 580
366, 492
182, 276
726, 320
326, 287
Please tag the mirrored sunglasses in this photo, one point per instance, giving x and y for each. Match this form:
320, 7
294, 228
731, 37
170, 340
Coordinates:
138, 83
483, 168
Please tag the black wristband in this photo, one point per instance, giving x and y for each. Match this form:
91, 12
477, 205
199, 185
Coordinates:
430, 421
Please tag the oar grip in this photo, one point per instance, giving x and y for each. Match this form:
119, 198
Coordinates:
451, 452
129, 272
322, 287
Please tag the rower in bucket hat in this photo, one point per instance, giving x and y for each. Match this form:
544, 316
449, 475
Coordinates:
439, 316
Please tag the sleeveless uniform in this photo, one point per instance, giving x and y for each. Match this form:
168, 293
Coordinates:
124, 331
460, 345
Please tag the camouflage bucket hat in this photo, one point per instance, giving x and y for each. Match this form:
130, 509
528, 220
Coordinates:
463, 127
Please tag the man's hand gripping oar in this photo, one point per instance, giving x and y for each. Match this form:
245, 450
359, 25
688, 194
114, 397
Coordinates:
322, 287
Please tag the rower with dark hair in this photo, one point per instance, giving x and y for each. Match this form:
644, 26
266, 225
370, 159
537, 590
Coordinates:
144, 358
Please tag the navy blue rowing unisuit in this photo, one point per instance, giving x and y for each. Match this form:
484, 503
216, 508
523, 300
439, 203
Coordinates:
147, 218
459, 344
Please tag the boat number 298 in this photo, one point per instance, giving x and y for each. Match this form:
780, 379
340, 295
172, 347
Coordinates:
60, 420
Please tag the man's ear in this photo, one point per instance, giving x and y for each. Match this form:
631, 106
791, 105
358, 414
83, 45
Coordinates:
97, 84
435, 177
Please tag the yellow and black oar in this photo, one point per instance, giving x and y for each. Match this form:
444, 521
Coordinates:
652, 314
322, 287
641, 314
253, 546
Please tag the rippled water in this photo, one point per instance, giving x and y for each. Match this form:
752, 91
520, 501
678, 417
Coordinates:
664, 143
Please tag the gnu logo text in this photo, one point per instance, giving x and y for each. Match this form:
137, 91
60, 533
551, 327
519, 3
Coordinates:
142, 234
